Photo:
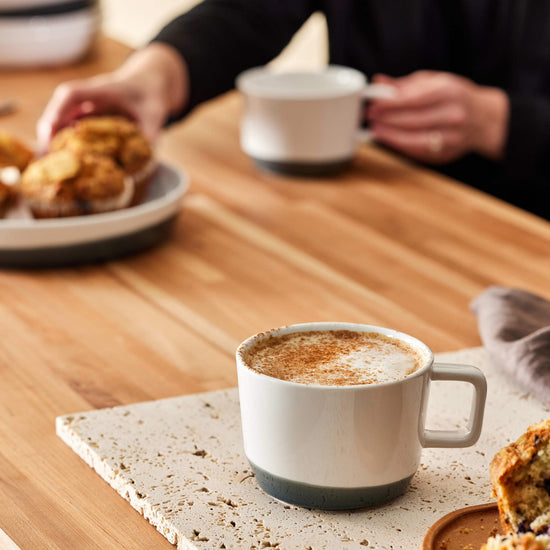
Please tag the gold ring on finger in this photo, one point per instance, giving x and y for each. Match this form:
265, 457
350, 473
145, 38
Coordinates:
435, 141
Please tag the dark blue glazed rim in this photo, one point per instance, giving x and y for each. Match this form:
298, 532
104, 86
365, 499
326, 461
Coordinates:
59, 8
88, 253
327, 498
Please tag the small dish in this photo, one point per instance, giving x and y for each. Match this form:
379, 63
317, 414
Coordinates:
57, 242
465, 528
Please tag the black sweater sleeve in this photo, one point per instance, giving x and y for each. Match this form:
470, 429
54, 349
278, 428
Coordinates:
528, 147
220, 38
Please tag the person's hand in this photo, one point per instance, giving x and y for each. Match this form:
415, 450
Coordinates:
438, 117
151, 85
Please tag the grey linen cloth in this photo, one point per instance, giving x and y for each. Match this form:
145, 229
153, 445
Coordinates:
515, 329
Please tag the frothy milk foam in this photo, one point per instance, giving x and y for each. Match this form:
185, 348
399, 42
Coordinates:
334, 357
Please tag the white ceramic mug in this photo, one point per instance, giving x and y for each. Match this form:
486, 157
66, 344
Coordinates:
343, 447
305, 123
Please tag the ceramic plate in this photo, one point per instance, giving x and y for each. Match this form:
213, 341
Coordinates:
465, 528
98, 237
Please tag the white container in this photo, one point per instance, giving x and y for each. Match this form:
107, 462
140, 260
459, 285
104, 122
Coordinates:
31, 37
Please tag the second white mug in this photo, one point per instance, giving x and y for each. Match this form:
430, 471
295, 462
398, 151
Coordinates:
304, 123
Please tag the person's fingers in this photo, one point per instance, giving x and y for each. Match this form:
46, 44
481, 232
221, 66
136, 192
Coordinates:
400, 81
384, 79
419, 92
151, 120
433, 146
103, 94
67, 103
74, 100
422, 76
414, 96
50, 119
439, 115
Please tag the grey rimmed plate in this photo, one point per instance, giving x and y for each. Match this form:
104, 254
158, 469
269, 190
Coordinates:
31, 243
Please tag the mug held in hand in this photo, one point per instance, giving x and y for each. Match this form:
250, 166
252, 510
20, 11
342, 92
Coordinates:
305, 123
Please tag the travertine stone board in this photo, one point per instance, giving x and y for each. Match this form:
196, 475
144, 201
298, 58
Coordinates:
180, 463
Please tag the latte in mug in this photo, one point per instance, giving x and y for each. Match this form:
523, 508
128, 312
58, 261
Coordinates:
349, 434
334, 357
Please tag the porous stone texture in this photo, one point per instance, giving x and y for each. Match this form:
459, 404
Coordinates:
180, 463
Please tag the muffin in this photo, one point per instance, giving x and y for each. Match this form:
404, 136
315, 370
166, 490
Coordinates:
115, 137
13, 152
520, 476
66, 184
527, 541
14, 157
7, 197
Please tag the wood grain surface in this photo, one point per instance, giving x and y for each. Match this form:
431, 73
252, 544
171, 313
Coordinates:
385, 243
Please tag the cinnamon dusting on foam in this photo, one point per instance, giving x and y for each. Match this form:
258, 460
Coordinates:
334, 357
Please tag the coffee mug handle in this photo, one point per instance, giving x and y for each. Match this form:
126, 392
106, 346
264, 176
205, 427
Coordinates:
457, 438
374, 91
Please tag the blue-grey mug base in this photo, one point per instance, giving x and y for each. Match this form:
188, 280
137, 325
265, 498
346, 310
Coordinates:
327, 498
303, 169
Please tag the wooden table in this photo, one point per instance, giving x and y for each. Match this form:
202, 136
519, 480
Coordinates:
385, 243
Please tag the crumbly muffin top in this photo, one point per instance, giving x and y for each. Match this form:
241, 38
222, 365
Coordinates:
112, 136
520, 476
13, 152
526, 541
66, 176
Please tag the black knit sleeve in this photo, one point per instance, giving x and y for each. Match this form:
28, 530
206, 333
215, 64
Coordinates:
220, 38
528, 147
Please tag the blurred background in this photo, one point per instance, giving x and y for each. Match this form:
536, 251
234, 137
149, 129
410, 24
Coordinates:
56, 32
135, 21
